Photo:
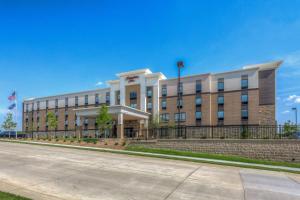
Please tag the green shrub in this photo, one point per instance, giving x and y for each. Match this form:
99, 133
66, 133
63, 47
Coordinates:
90, 140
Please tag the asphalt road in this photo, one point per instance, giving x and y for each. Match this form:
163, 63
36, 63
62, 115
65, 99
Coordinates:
42, 172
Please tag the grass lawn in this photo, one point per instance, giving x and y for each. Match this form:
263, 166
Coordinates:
211, 156
8, 196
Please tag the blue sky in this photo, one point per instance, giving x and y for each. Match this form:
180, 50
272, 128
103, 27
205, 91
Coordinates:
53, 47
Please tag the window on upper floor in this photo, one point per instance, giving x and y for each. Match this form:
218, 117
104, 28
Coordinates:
38, 105
180, 88
163, 104
133, 95
86, 100
96, 99
198, 101
47, 104
180, 116
76, 101
221, 115
133, 105
56, 103
244, 82
244, 113
220, 84
66, 102
180, 102
198, 86
149, 105
164, 91
220, 100
149, 92
244, 98
198, 115
107, 98
27, 107
164, 117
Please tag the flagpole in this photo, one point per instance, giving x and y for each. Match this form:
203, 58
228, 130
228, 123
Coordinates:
16, 114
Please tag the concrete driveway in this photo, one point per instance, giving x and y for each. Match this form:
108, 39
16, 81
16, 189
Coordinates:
42, 172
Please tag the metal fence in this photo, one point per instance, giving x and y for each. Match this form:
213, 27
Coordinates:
224, 132
182, 132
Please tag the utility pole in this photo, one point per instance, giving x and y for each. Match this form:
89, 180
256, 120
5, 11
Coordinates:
179, 93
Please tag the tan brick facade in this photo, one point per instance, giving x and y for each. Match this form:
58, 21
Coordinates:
259, 108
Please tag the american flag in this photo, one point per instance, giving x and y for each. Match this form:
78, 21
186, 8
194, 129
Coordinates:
12, 106
12, 97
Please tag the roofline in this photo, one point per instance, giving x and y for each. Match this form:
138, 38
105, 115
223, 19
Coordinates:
65, 94
139, 71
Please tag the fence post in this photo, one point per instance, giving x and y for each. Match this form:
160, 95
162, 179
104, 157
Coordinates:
212, 132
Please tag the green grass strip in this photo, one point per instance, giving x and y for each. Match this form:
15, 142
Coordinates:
8, 196
211, 156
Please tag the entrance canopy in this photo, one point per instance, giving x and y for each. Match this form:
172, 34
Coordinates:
128, 112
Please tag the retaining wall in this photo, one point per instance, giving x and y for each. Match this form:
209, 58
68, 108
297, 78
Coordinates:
276, 150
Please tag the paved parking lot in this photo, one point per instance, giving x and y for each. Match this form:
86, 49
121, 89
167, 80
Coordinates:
42, 172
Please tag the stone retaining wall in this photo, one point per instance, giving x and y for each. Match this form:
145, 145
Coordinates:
276, 150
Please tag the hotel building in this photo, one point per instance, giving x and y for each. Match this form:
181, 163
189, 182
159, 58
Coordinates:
244, 96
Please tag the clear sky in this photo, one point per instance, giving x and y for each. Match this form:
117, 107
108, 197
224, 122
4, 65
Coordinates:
53, 47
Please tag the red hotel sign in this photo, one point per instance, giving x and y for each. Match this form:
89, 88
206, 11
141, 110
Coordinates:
131, 79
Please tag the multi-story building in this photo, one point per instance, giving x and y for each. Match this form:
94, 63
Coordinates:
244, 96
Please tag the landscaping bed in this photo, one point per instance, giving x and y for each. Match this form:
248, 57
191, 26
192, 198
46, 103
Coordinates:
88, 142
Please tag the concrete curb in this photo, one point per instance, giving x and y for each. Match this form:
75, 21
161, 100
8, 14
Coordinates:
216, 161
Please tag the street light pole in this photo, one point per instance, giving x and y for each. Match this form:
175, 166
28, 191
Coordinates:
296, 114
179, 66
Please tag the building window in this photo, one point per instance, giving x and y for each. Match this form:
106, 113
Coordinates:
244, 114
47, 104
198, 86
180, 103
149, 105
56, 103
181, 116
198, 101
38, 105
244, 98
221, 115
26, 107
220, 84
96, 99
107, 98
221, 100
149, 92
76, 101
66, 102
164, 117
133, 95
180, 89
163, 104
133, 105
198, 115
86, 123
66, 126
117, 100
164, 90
86, 100
244, 82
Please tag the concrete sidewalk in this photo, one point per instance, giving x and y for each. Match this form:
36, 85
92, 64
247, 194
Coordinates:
43, 172
216, 161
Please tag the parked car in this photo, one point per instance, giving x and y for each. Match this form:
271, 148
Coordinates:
12, 134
